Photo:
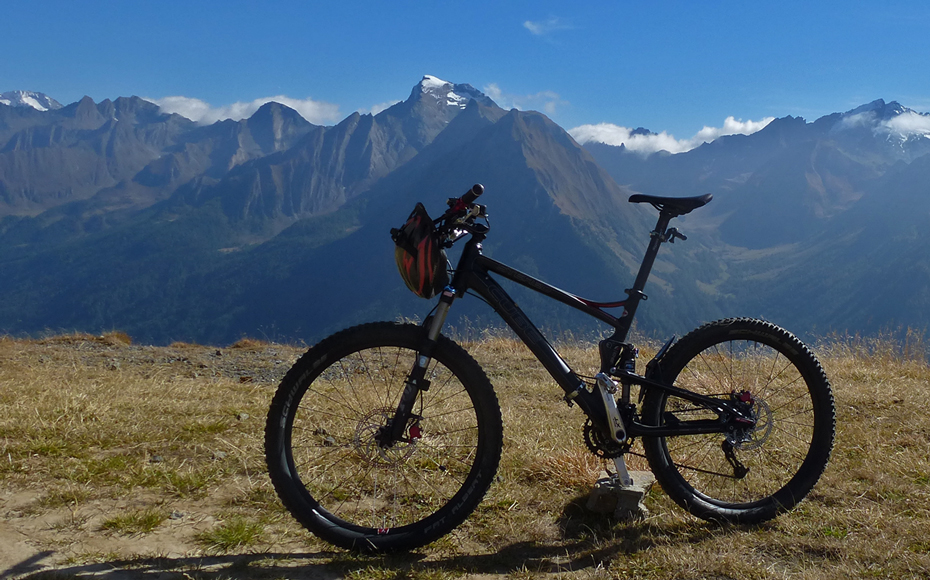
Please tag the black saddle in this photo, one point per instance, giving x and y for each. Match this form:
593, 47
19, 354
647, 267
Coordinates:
674, 206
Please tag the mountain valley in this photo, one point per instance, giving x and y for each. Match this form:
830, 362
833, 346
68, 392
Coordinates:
118, 216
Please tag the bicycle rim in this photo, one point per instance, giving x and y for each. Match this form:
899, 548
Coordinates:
361, 486
773, 451
753, 472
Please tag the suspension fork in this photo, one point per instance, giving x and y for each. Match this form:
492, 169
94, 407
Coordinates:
416, 380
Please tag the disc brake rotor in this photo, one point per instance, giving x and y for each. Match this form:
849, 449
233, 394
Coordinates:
764, 424
366, 444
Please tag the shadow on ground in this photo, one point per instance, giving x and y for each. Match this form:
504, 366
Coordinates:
588, 541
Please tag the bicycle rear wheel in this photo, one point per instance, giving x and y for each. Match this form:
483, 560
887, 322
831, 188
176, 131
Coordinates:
325, 461
753, 475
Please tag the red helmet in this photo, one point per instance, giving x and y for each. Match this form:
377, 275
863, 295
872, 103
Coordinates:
420, 258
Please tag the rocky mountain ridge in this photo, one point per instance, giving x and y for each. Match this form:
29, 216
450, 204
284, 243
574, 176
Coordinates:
115, 215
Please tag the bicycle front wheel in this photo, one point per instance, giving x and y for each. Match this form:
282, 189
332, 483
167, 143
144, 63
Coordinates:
328, 467
753, 474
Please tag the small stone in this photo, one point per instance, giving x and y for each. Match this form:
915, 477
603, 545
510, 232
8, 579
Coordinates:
242, 416
156, 459
176, 515
625, 502
219, 455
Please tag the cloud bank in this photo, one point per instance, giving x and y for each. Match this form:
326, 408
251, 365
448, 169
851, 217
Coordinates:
909, 123
651, 143
317, 112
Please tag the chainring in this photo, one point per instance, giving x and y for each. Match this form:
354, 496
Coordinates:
601, 446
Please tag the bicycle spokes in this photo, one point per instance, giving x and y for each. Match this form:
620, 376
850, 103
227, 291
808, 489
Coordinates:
778, 421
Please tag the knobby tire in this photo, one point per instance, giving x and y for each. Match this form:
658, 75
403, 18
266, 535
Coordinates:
324, 458
787, 450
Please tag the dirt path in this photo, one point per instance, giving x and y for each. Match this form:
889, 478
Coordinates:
89, 433
72, 543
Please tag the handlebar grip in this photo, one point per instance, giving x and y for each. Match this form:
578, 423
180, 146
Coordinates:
472, 194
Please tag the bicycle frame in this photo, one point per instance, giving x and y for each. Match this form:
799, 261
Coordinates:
764, 421
473, 273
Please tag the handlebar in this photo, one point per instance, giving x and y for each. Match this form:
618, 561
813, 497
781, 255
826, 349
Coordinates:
472, 194
460, 216
459, 206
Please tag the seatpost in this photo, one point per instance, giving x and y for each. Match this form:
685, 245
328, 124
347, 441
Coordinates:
657, 236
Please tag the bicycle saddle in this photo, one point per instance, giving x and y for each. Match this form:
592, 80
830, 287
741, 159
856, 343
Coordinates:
675, 206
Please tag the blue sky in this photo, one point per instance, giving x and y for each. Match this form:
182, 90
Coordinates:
667, 66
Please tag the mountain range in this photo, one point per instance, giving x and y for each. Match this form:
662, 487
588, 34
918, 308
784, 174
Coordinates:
117, 215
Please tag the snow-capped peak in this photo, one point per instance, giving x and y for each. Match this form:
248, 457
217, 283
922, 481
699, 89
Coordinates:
38, 101
891, 119
431, 83
452, 95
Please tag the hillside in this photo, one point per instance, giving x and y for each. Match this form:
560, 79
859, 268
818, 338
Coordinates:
260, 251
128, 461
116, 215
817, 225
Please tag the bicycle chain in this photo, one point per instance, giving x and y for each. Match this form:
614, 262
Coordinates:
601, 447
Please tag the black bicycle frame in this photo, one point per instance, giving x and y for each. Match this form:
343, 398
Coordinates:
473, 273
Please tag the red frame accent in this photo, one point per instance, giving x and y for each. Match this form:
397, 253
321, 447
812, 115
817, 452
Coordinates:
594, 304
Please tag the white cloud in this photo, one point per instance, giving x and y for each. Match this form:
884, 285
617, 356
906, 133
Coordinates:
909, 123
858, 120
904, 125
646, 144
545, 101
731, 126
617, 135
494, 91
199, 111
193, 109
544, 27
379, 107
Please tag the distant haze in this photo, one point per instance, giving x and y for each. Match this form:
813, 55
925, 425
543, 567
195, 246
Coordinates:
274, 221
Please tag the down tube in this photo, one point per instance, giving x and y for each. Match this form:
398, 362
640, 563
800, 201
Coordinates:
504, 305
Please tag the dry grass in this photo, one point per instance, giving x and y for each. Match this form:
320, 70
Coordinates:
149, 461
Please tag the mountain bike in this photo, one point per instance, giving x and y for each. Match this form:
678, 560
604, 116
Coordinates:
386, 436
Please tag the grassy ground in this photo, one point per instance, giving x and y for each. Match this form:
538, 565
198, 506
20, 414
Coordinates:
124, 461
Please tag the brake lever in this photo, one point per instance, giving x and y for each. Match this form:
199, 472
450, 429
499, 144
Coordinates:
476, 210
